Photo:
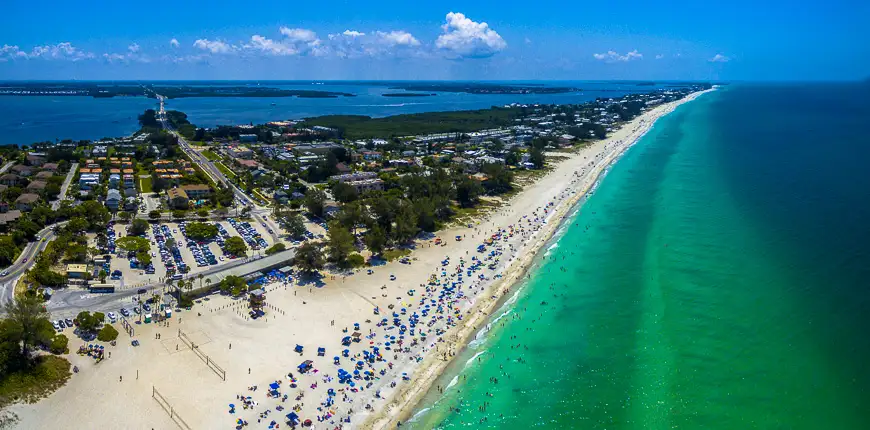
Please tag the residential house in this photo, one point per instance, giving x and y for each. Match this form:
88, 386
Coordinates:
113, 199
4, 207
129, 181
178, 198
9, 217
35, 160
248, 164
22, 170
114, 180
51, 167
367, 185
88, 180
26, 201
36, 186
11, 180
44, 175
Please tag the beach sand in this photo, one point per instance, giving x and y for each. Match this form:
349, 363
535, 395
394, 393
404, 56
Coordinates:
117, 393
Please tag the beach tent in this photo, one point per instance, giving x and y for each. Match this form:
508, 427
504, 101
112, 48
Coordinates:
292, 418
298, 349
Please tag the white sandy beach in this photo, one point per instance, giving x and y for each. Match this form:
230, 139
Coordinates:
117, 393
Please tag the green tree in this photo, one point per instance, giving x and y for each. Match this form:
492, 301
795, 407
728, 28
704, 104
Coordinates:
59, 344
107, 333
355, 260
276, 248
87, 322
344, 193
295, 226
340, 243
375, 239
133, 243
236, 246
468, 191
233, 285
201, 230
537, 158
27, 317
314, 201
138, 227
309, 257
154, 214
8, 250
406, 224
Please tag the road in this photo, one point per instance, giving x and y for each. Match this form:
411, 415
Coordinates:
24, 261
63, 188
6, 167
259, 213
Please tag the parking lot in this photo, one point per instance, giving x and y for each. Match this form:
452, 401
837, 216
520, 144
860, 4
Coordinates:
173, 253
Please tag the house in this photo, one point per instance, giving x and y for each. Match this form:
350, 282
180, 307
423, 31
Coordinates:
88, 180
76, 271
4, 207
22, 170
35, 160
196, 191
129, 192
248, 164
52, 167
9, 217
26, 201
359, 176
281, 197
178, 198
129, 182
342, 168
113, 199
11, 180
36, 186
566, 139
114, 180
367, 185
44, 175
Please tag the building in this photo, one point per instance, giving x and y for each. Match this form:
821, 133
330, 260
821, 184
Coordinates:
8, 217
52, 167
240, 152
26, 201
35, 160
114, 180
76, 271
36, 186
129, 181
248, 164
44, 175
113, 199
359, 176
367, 185
22, 170
249, 138
88, 180
178, 198
196, 191
11, 180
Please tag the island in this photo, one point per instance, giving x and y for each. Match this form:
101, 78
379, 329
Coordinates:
408, 94
482, 88
110, 89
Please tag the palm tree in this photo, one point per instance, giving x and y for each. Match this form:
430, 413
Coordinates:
200, 280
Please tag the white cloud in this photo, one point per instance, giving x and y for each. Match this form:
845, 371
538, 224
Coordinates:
270, 46
60, 51
394, 38
613, 56
719, 58
214, 46
353, 33
298, 34
133, 48
465, 38
659, 56
174, 43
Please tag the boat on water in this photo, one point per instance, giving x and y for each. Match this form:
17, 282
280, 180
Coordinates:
273, 104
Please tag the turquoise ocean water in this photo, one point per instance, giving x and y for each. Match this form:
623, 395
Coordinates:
716, 279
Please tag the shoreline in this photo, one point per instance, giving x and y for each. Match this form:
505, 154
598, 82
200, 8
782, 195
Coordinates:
402, 404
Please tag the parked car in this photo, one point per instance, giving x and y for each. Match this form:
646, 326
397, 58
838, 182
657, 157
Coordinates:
112, 316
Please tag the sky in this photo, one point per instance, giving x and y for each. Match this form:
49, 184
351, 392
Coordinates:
436, 40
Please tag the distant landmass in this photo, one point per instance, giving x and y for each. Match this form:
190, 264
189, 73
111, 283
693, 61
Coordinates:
408, 94
482, 88
107, 90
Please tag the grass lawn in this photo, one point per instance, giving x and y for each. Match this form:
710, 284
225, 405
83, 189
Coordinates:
208, 153
392, 254
49, 374
145, 185
225, 170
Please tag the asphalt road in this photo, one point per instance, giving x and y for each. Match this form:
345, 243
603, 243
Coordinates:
63, 189
24, 261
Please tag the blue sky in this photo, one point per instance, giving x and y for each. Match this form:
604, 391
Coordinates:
508, 39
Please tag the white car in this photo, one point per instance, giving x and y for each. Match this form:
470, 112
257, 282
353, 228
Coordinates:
112, 316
